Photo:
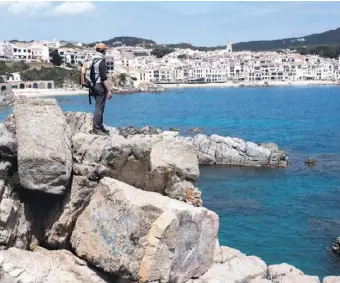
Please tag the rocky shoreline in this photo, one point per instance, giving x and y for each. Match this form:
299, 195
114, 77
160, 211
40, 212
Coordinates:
77, 207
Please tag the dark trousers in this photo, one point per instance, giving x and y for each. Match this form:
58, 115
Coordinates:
99, 95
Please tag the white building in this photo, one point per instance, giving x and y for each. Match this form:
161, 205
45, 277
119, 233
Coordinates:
40, 52
22, 52
6, 50
229, 47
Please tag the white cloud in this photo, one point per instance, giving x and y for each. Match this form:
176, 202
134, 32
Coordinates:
32, 8
26, 7
72, 8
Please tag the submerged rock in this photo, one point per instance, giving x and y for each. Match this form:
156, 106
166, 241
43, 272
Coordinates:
44, 146
194, 131
310, 162
145, 236
336, 246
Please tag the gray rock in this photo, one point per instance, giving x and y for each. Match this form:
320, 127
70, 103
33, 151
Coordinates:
284, 272
63, 217
82, 122
44, 146
215, 149
79, 122
223, 254
8, 145
144, 236
300, 279
9, 215
141, 161
331, 279
177, 155
6, 97
42, 266
10, 123
238, 269
5, 168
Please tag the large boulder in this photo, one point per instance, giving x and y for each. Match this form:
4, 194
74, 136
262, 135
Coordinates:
151, 163
60, 221
44, 146
144, 236
42, 266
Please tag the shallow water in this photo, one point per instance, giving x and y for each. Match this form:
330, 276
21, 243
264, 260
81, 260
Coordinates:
282, 215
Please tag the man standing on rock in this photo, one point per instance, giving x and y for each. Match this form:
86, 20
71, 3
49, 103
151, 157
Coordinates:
96, 72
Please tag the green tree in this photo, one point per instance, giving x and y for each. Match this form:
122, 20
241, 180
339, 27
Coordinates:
160, 52
56, 59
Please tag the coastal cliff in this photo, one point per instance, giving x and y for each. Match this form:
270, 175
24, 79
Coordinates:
77, 207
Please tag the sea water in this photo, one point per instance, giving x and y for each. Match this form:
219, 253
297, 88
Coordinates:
281, 215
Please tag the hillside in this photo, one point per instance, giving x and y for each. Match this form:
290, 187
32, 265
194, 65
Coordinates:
327, 38
128, 41
331, 37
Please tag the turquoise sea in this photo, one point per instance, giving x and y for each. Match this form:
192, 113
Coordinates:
282, 215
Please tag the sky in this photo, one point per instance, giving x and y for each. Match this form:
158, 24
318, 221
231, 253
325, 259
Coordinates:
199, 23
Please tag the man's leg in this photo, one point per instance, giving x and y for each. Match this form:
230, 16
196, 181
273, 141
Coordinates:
102, 117
99, 112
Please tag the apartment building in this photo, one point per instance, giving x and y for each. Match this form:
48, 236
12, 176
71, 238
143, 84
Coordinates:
6, 50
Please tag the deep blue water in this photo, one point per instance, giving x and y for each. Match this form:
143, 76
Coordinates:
282, 215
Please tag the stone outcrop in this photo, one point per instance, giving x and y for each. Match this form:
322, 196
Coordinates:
43, 266
155, 164
44, 146
215, 149
150, 87
143, 235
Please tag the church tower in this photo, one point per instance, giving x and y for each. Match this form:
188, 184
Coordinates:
229, 47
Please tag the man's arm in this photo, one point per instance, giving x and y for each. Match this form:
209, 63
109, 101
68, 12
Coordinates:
103, 77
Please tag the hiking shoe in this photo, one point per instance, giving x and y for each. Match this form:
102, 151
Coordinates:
98, 132
106, 132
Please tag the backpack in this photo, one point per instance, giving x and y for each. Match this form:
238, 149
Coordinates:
89, 78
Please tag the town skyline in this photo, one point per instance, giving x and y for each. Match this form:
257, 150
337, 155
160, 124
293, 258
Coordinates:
197, 23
